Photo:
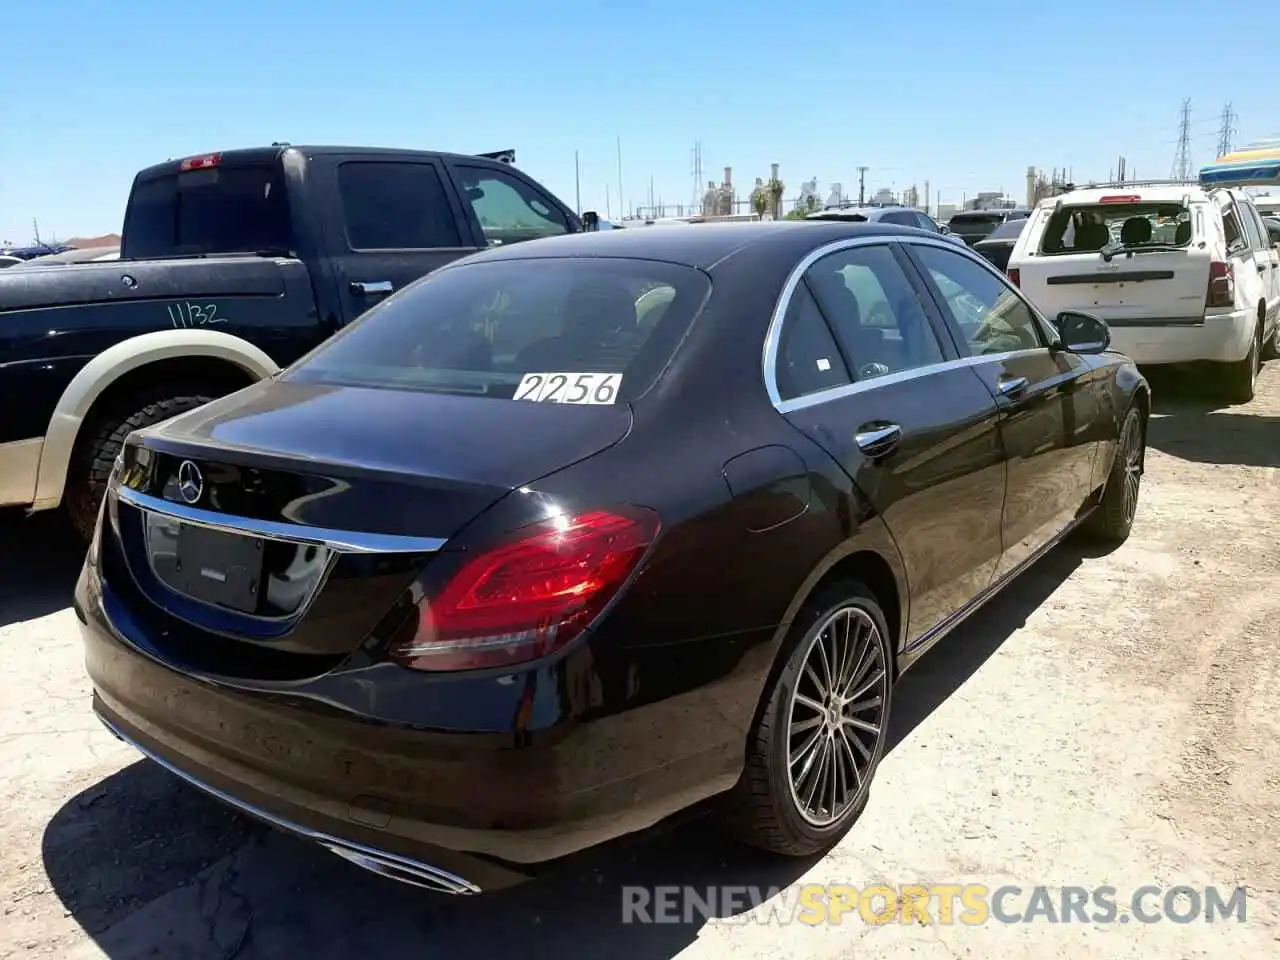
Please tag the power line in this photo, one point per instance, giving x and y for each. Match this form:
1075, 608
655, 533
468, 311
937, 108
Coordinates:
1227, 131
1182, 158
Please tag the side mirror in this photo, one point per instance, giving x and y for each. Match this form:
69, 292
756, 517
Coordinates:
1083, 332
590, 221
943, 229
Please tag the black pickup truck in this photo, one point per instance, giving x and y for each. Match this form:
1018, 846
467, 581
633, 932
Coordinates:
232, 265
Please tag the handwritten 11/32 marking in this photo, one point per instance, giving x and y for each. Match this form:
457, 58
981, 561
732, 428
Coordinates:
184, 316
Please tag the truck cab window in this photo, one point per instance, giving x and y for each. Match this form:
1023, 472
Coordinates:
509, 210
221, 210
395, 206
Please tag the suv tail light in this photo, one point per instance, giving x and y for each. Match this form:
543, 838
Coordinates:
530, 596
1015, 277
1222, 285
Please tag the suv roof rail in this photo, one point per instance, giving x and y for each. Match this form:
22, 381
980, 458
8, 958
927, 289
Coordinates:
1136, 183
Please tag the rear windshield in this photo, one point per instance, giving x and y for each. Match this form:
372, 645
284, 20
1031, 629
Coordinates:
1087, 228
217, 210
1009, 230
522, 329
975, 222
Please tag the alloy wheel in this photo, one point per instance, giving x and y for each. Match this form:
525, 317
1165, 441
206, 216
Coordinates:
1131, 452
836, 717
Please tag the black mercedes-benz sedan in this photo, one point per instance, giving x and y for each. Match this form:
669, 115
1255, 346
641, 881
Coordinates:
571, 536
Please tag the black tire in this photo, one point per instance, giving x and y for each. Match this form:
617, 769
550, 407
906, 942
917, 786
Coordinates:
1271, 348
1240, 379
1112, 521
764, 810
97, 448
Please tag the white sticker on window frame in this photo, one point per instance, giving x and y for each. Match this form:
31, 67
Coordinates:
579, 388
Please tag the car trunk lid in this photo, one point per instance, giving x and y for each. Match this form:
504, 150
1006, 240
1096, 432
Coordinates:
268, 534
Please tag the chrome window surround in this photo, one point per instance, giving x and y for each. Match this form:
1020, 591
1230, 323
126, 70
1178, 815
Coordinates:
338, 541
769, 360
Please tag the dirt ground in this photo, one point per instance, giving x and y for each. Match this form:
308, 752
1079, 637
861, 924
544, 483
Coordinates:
1108, 720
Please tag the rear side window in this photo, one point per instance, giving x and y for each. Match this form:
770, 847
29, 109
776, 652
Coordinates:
1233, 231
808, 359
1087, 228
902, 218
483, 328
214, 210
395, 206
508, 208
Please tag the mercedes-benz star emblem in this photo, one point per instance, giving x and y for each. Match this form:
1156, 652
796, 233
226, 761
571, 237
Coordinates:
190, 482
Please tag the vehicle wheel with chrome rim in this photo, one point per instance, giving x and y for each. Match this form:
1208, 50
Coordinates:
822, 729
1113, 519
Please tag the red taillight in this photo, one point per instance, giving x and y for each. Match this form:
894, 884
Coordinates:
1222, 285
1121, 198
1015, 277
202, 163
529, 597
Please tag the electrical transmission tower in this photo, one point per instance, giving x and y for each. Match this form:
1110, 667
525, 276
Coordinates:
1182, 159
698, 186
1227, 131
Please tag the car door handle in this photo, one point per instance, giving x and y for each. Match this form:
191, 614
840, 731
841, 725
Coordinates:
1011, 386
878, 439
367, 287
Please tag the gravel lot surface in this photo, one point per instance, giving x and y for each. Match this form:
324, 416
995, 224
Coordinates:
1107, 720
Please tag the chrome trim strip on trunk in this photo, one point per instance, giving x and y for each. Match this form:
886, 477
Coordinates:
340, 541
392, 865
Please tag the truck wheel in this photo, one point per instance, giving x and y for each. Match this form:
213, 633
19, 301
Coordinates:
1241, 378
820, 736
96, 453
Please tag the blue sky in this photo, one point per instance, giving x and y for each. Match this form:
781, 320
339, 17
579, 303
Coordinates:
915, 92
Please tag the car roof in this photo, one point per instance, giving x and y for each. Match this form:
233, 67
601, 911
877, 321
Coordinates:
1148, 193
702, 245
994, 211
869, 212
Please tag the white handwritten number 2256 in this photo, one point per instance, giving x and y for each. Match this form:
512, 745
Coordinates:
184, 315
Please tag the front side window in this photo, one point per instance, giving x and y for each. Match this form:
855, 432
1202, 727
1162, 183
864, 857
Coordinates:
484, 328
1087, 228
990, 315
395, 206
875, 311
508, 208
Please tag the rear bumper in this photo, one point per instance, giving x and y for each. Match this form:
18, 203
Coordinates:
462, 810
1221, 338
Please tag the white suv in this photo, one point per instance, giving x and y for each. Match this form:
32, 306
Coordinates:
1180, 273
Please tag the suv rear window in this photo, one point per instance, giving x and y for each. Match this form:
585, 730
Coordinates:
215, 210
975, 222
480, 328
1087, 228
